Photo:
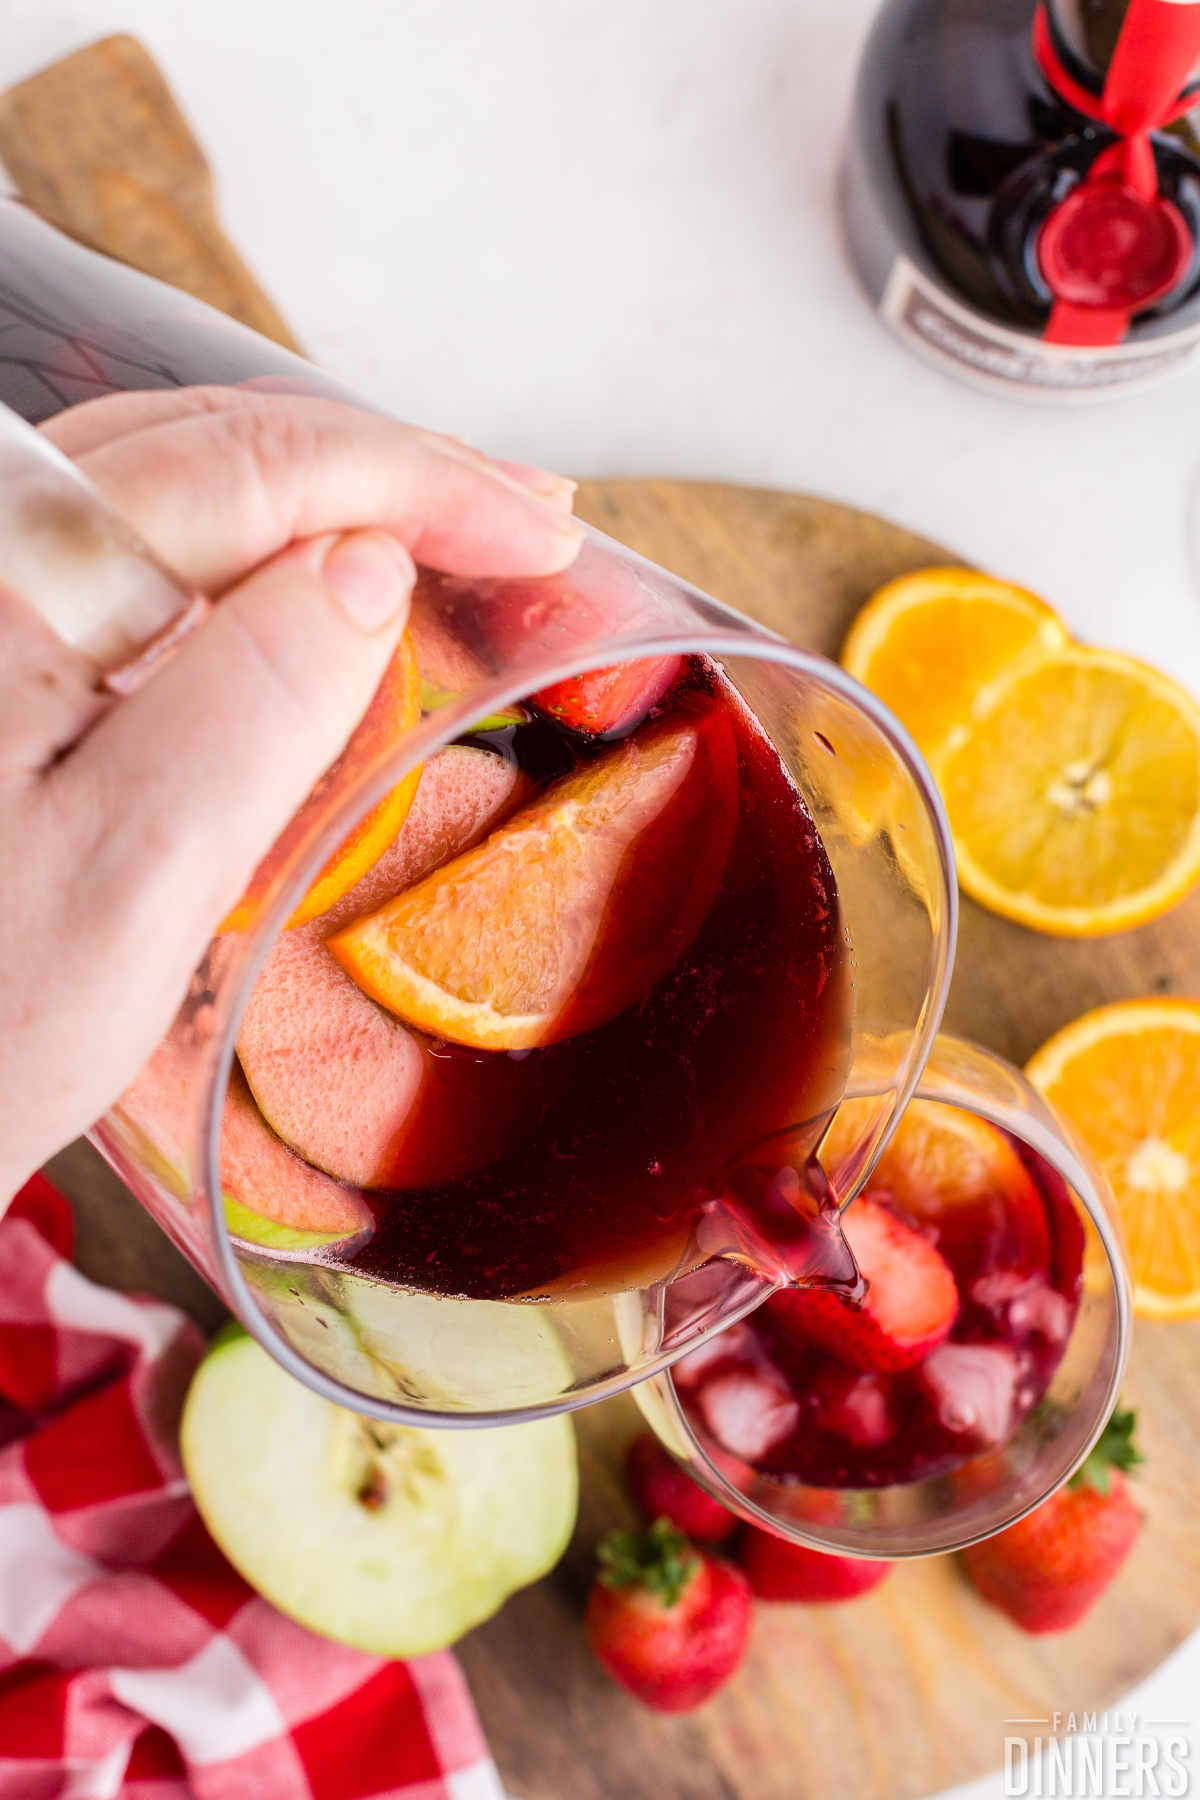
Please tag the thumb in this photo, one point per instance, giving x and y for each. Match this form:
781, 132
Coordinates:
187, 784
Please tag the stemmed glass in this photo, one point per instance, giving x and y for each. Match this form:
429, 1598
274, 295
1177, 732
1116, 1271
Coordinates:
997, 1486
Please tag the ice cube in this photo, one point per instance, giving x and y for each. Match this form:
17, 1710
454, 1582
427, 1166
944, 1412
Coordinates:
1042, 1309
863, 1413
975, 1388
749, 1411
998, 1287
727, 1346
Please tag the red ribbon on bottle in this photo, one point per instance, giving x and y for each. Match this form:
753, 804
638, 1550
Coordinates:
1115, 245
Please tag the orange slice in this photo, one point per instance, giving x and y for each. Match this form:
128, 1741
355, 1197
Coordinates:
941, 1157
1074, 793
927, 642
395, 709
957, 1175
1128, 1078
575, 908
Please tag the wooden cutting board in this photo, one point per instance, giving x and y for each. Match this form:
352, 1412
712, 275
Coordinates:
909, 1689
905, 1691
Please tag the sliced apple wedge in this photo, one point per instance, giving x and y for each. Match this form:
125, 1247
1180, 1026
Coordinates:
273, 1200
393, 1539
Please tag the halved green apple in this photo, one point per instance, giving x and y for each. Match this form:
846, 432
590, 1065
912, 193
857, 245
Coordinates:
392, 1538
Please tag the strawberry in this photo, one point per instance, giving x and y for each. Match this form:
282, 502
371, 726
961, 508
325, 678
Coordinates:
911, 1300
668, 1621
606, 701
779, 1570
555, 613
665, 1491
1047, 1570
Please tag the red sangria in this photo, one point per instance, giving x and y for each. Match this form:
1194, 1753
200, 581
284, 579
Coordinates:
972, 1254
579, 1024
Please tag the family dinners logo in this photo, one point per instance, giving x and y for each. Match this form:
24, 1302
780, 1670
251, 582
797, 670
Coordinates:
1100, 1755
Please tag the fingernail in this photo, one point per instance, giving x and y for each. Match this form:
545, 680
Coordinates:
372, 576
553, 514
543, 482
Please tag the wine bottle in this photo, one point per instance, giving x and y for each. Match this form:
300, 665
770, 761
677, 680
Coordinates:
1022, 189
74, 324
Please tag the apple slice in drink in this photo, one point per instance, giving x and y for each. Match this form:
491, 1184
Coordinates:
345, 1084
465, 792
273, 1200
390, 1538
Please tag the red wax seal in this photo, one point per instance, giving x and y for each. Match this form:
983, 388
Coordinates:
1108, 246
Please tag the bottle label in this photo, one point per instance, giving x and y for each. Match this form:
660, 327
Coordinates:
963, 343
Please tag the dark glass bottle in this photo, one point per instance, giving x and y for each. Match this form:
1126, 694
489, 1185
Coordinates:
1020, 202
74, 325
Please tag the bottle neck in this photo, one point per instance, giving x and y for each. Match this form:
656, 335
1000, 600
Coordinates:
1115, 244
1087, 30
1085, 34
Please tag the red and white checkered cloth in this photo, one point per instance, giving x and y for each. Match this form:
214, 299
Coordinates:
135, 1663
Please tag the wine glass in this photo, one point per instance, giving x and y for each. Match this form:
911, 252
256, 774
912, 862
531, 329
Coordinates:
997, 1485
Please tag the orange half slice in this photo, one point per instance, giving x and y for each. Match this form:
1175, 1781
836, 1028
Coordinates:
1127, 1076
575, 908
928, 642
395, 709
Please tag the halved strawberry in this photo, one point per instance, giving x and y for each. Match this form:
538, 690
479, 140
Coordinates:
552, 614
911, 1301
604, 701
852, 1405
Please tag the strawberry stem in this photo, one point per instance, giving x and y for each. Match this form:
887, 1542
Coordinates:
1113, 1449
660, 1559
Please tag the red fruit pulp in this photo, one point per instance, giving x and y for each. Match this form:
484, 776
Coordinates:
633, 1134
799, 1414
779, 1570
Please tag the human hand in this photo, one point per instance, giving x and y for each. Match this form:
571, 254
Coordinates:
131, 827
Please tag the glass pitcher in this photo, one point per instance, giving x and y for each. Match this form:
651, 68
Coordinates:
379, 1333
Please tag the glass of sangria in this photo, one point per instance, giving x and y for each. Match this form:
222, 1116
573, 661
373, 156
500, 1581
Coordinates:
981, 1369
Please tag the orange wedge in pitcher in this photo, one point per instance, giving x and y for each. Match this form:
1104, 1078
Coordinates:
1128, 1078
395, 709
572, 910
928, 642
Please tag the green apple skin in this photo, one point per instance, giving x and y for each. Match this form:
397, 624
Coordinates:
393, 1539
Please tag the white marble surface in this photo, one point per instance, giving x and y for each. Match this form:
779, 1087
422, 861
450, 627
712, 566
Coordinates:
604, 239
